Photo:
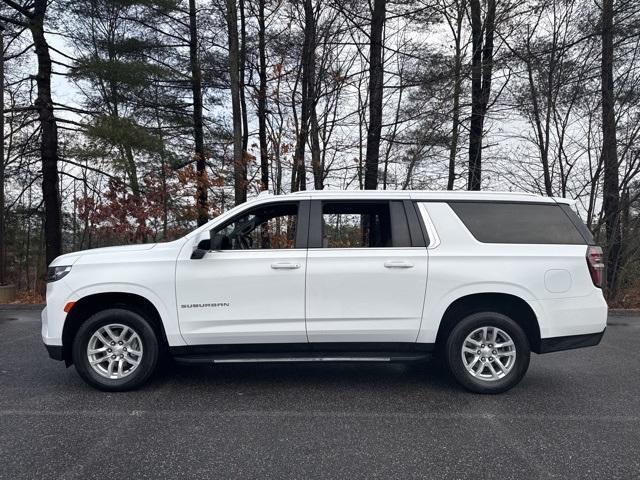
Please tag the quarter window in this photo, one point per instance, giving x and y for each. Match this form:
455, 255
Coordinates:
505, 222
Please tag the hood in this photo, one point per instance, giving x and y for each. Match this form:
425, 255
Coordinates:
71, 258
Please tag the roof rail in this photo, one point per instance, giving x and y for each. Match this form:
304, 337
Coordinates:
407, 192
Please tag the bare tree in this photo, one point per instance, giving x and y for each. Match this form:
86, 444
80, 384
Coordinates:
455, 25
32, 16
376, 83
239, 165
611, 192
3, 263
262, 98
481, 71
198, 122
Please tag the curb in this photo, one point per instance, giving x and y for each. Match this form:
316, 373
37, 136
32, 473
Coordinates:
22, 306
624, 312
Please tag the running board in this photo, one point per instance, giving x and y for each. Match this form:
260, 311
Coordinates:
294, 358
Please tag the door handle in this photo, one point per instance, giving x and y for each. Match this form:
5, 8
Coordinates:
398, 264
285, 266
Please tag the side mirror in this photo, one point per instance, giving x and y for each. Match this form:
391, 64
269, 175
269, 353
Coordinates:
201, 250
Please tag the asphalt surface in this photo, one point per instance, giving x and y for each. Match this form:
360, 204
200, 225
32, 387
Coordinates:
575, 415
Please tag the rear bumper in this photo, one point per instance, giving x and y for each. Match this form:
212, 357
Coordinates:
572, 316
556, 344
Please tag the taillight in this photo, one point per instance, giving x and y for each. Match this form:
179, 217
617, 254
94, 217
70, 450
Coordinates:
596, 265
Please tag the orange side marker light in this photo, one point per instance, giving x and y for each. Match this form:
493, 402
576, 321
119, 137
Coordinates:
68, 306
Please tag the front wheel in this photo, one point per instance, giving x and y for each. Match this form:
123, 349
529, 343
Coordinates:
115, 350
487, 352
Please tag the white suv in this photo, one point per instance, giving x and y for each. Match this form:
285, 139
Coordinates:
368, 276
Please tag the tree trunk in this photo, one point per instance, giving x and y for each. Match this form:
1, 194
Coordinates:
132, 171
314, 128
308, 84
543, 141
48, 136
481, 71
316, 161
457, 88
239, 167
376, 79
241, 68
3, 240
611, 193
262, 99
198, 128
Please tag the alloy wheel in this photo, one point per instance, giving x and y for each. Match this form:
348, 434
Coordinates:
114, 351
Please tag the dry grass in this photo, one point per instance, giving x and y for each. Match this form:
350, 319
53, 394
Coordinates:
629, 298
29, 297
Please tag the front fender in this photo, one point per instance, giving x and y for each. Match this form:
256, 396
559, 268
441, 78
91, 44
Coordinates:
166, 309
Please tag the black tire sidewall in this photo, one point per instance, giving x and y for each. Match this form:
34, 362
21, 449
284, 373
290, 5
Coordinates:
483, 319
125, 317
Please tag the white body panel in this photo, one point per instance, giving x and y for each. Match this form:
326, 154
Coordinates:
144, 270
336, 295
253, 296
460, 265
365, 294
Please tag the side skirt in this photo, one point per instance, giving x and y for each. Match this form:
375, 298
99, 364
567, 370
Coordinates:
289, 353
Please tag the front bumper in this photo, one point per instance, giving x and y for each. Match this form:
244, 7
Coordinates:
556, 344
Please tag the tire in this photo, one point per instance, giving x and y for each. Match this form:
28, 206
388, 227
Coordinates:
129, 340
496, 369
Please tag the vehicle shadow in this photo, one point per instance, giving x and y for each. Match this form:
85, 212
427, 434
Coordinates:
428, 373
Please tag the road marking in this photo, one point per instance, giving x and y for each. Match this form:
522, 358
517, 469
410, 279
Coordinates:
320, 414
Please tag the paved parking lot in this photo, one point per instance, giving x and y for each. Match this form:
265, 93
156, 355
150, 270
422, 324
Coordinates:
575, 415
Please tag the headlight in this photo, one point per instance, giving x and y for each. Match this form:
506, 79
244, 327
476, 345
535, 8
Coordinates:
56, 273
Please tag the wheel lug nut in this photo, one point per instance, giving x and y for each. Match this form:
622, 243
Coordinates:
479, 352
125, 349
483, 359
113, 356
495, 352
120, 343
491, 359
121, 356
482, 345
113, 343
490, 345
109, 350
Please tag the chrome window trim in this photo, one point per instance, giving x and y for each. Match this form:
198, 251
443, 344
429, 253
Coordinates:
434, 238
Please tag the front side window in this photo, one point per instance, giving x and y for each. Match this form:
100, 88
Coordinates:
356, 225
266, 227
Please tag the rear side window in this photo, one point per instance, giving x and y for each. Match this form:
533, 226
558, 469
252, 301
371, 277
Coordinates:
353, 225
504, 222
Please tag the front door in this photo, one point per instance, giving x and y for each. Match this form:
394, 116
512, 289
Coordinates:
366, 274
250, 290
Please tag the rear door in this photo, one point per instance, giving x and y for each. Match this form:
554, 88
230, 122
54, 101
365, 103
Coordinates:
366, 272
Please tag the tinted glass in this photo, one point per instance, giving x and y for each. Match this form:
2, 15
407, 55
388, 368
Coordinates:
269, 227
504, 222
356, 225
577, 221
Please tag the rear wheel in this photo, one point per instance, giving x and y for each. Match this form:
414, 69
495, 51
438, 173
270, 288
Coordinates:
487, 352
115, 350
